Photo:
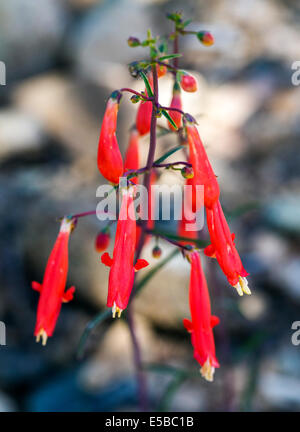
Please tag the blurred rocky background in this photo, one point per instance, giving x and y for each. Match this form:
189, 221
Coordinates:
63, 58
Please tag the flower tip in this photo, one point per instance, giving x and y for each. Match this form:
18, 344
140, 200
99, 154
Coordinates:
116, 311
207, 371
242, 286
43, 336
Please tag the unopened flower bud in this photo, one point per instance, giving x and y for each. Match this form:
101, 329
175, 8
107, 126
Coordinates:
102, 241
133, 42
156, 252
135, 99
188, 83
187, 172
206, 38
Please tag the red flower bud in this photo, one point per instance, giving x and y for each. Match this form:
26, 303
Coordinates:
187, 172
110, 162
206, 38
176, 103
132, 154
188, 83
156, 252
161, 70
102, 241
52, 289
133, 42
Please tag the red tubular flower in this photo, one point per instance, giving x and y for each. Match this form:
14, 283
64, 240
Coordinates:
188, 83
202, 322
223, 249
102, 241
52, 290
143, 117
122, 268
132, 154
203, 172
110, 162
176, 103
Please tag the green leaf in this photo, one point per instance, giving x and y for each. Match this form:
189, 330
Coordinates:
176, 17
169, 153
140, 284
147, 85
99, 318
186, 23
169, 56
169, 118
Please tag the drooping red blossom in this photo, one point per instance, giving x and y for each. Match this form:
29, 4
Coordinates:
202, 322
188, 83
203, 172
52, 289
222, 248
144, 113
132, 154
176, 103
102, 241
122, 268
109, 159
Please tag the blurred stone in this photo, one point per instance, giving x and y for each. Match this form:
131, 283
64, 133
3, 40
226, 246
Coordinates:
279, 390
20, 134
98, 45
30, 35
253, 307
283, 213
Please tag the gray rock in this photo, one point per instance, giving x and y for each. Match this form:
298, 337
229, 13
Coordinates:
30, 34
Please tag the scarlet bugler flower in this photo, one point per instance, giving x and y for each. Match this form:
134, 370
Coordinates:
176, 103
109, 159
132, 154
122, 268
52, 289
202, 322
143, 117
188, 83
203, 172
222, 248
